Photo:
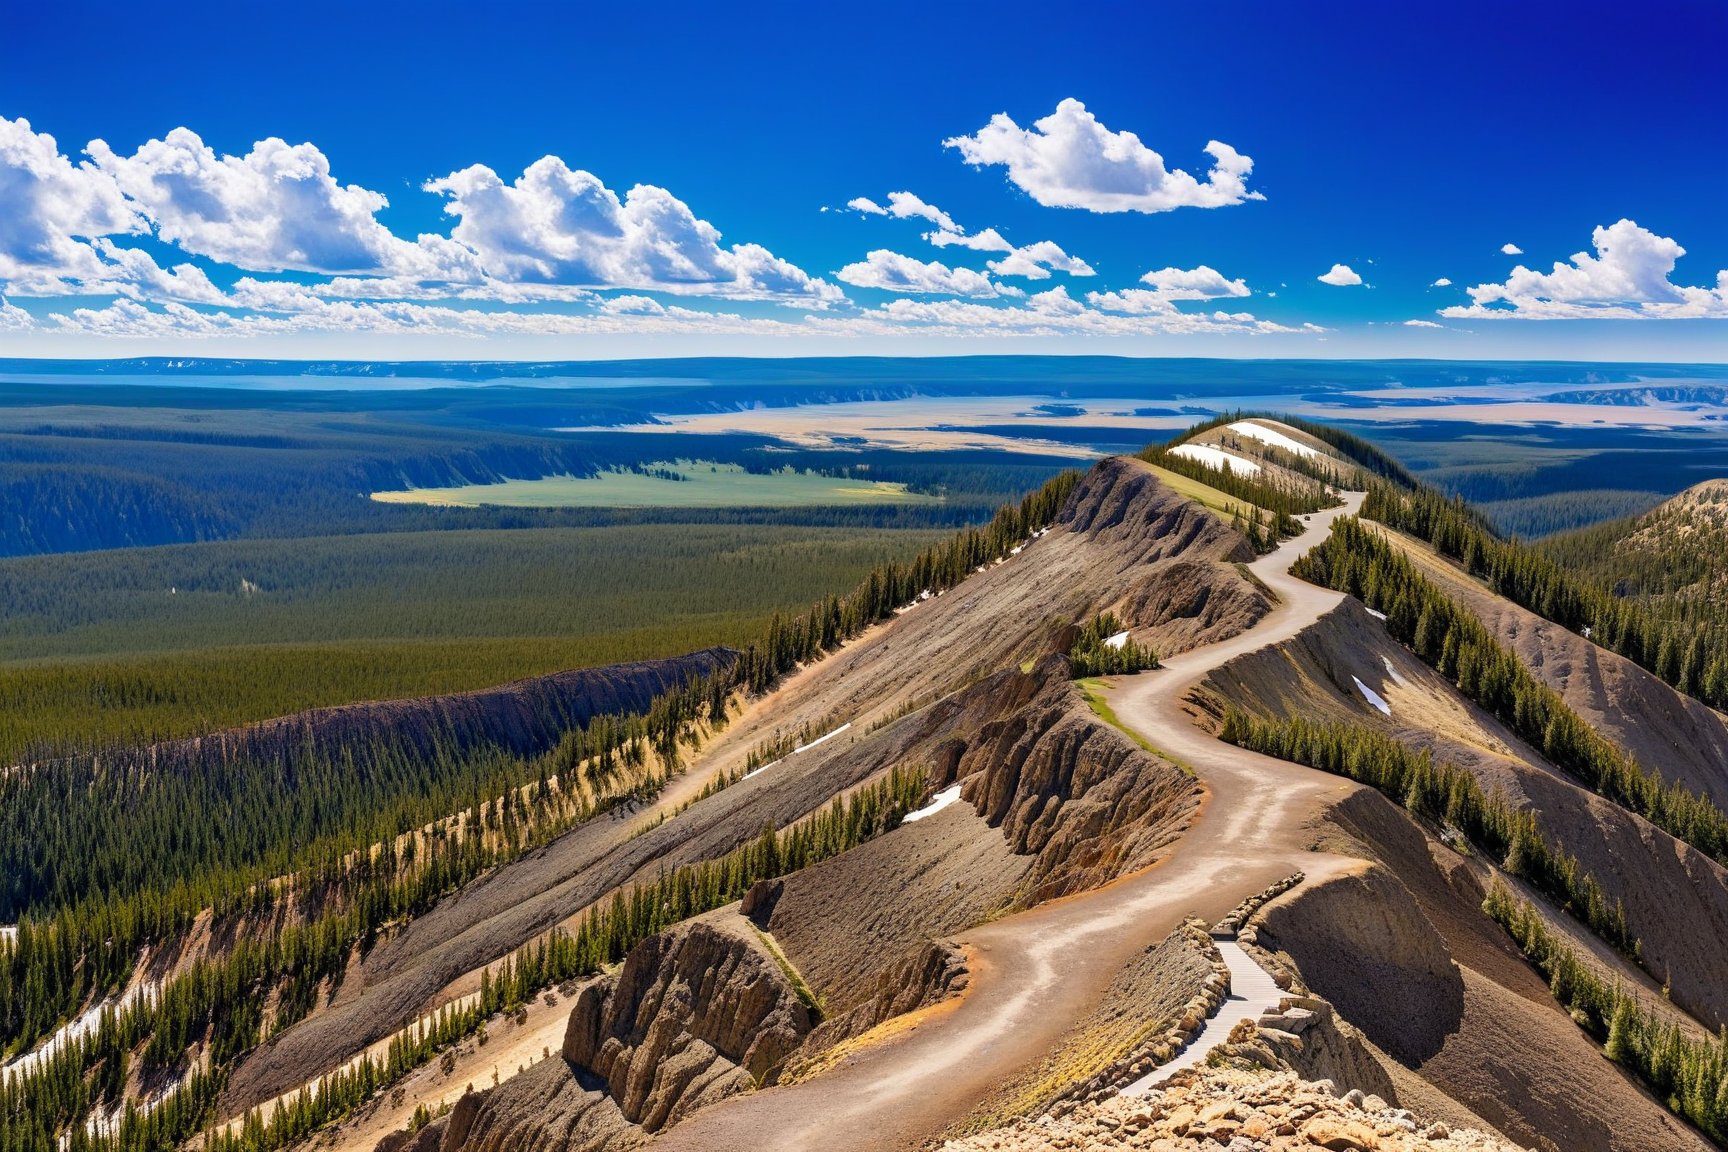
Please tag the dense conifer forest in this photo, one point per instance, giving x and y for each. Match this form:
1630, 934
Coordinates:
1447, 797
151, 644
300, 858
1672, 561
1687, 1073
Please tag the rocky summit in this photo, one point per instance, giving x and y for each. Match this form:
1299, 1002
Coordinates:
1235, 1111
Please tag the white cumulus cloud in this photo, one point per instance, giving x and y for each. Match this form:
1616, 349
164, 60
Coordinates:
905, 206
275, 209
1422, 324
1341, 276
1511, 250
1443, 282
557, 224
1054, 312
897, 273
50, 212
1626, 277
1202, 283
13, 317
1071, 160
1169, 285
1033, 261
1037, 261
989, 240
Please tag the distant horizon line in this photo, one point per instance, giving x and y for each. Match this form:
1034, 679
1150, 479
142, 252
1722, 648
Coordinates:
188, 362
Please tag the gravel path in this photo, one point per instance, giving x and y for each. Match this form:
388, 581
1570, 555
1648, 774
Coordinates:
1037, 972
1253, 992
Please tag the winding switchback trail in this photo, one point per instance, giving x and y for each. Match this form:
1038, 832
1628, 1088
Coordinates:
1038, 972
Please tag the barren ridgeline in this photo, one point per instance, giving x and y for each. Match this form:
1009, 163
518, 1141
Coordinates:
1019, 948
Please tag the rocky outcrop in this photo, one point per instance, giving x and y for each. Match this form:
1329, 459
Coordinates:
929, 974
1305, 1035
1122, 501
1230, 1109
1238, 917
548, 1108
695, 1014
1190, 603
1065, 787
1178, 588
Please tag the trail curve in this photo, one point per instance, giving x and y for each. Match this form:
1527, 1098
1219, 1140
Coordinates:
1037, 972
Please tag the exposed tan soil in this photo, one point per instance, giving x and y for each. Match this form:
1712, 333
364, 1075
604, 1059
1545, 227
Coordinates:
1668, 732
1405, 955
1006, 954
1037, 972
1150, 995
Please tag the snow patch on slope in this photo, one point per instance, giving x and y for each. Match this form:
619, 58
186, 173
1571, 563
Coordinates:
1271, 436
1373, 697
1215, 458
942, 799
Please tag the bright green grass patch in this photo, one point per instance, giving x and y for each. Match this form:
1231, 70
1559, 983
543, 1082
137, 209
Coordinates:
698, 484
1203, 494
1093, 689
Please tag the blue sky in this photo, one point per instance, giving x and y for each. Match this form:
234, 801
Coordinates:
443, 180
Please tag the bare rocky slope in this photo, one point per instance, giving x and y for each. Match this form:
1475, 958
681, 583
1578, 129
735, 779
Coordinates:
1676, 898
1409, 1020
1405, 955
1264, 1111
1669, 732
1053, 800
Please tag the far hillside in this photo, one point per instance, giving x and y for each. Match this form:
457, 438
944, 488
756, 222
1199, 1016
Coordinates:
1674, 557
152, 643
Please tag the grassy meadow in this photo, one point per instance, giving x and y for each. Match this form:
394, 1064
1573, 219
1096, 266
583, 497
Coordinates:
667, 484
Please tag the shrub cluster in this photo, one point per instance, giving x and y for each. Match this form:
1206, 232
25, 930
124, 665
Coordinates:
1092, 655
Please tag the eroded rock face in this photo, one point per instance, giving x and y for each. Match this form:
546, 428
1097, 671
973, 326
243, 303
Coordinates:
1362, 942
927, 975
695, 1015
1120, 500
1176, 587
1069, 789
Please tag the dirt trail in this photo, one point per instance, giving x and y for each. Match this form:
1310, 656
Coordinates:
1037, 972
